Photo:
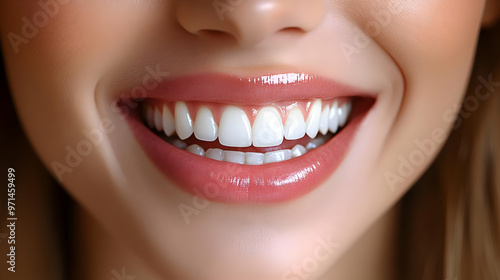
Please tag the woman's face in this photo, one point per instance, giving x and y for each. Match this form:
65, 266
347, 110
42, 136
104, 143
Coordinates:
242, 83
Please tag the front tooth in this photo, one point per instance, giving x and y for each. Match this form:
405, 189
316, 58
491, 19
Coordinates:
168, 121
323, 123
158, 119
312, 123
234, 157
195, 149
267, 128
205, 128
295, 126
150, 116
234, 128
343, 112
333, 119
277, 156
216, 154
183, 122
254, 158
298, 150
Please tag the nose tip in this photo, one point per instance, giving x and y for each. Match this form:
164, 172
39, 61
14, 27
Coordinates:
250, 22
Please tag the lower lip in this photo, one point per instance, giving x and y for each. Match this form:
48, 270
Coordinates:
235, 183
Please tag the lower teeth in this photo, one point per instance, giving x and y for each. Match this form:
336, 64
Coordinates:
250, 158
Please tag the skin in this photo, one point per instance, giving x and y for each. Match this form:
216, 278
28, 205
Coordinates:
65, 77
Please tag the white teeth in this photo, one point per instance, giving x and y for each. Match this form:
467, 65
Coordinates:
234, 157
343, 112
183, 122
312, 123
298, 150
216, 154
150, 116
168, 121
234, 128
254, 159
333, 119
158, 119
205, 128
195, 149
277, 156
250, 158
323, 123
267, 128
295, 126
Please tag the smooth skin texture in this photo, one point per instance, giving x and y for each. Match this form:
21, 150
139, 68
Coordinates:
64, 77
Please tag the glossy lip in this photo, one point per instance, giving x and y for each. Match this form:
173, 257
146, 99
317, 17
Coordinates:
234, 183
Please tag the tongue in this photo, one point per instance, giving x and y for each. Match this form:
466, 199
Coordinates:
287, 144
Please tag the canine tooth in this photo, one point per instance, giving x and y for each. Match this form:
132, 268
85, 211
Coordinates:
150, 116
205, 128
295, 126
179, 144
254, 158
277, 156
158, 119
195, 149
312, 123
183, 122
343, 112
333, 119
168, 121
323, 123
267, 130
216, 154
314, 143
234, 157
298, 150
234, 128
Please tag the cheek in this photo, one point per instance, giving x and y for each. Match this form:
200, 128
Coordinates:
74, 35
433, 43
54, 67
434, 46
435, 36
53, 75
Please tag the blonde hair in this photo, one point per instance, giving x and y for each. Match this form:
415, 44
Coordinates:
455, 207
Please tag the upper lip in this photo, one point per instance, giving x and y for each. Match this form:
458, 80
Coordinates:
230, 89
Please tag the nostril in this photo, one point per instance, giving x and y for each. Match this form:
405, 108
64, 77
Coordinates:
292, 30
214, 34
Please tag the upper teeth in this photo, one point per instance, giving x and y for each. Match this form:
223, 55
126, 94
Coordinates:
235, 129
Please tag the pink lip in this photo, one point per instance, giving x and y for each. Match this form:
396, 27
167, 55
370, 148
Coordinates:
233, 183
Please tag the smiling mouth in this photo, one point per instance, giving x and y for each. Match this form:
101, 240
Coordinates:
267, 139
